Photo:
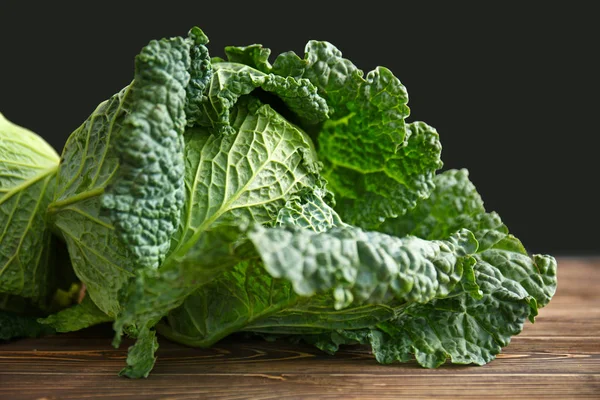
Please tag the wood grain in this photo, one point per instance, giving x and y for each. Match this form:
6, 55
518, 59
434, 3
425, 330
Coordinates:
556, 358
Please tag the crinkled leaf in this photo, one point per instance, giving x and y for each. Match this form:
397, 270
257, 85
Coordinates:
456, 198
254, 55
232, 80
465, 328
454, 204
536, 273
309, 211
140, 356
462, 329
80, 316
200, 75
366, 266
376, 167
27, 180
404, 179
146, 194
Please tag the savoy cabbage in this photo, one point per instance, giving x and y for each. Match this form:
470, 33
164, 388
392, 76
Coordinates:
289, 200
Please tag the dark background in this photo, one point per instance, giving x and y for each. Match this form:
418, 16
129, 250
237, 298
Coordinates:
512, 90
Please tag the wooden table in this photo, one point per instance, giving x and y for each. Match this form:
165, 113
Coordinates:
558, 357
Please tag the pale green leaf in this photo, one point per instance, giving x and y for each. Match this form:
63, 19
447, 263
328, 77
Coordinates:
249, 175
238, 297
27, 179
255, 56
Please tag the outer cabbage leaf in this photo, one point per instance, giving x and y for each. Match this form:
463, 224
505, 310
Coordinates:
247, 298
27, 175
463, 328
119, 192
456, 197
99, 258
305, 275
369, 267
146, 194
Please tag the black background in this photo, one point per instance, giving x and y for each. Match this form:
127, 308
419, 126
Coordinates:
512, 90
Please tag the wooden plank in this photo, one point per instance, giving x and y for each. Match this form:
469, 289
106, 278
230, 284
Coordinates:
302, 386
558, 357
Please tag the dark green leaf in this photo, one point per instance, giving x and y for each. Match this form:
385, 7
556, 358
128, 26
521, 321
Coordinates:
377, 167
16, 326
140, 356
366, 266
78, 317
